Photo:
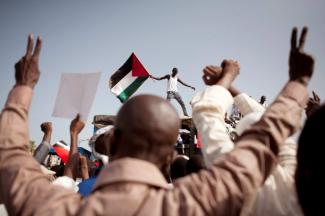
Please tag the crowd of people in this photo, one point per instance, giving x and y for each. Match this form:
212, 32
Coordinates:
250, 164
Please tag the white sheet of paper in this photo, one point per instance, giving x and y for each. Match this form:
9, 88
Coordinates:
76, 94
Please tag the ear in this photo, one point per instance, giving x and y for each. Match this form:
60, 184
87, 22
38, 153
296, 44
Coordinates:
108, 141
173, 156
170, 157
114, 140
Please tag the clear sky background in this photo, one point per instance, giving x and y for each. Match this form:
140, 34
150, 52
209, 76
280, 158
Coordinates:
89, 36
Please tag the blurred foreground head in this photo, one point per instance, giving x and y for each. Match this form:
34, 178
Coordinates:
146, 128
309, 174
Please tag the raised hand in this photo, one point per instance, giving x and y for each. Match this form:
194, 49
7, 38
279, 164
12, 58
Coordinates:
46, 127
301, 64
76, 125
313, 104
230, 70
27, 70
211, 74
71, 168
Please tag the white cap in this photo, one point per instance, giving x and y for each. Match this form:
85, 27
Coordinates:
98, 156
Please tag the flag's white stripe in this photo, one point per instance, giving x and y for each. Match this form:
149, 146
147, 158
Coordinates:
123, 84
62, 145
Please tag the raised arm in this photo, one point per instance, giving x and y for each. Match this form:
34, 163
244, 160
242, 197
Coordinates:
159, 78
208, 107
72, 166
214, 136
184, 84
44, 147
24, 188
222, 189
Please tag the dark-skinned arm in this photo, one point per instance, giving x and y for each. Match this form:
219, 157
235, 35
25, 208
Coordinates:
72, 166
184, 84
159, 78
84, 168
44, 147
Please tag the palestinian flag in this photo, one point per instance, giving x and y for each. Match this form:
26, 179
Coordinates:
128, 78
62, 150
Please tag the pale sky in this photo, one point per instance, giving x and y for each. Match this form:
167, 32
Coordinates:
91, 36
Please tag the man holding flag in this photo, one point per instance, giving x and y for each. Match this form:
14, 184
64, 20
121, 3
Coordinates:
172, 88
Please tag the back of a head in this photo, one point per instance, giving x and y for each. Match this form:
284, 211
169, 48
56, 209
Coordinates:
178, 167
195, 164
146, 128
309, 177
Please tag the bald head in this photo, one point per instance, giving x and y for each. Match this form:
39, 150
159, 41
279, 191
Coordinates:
146, 128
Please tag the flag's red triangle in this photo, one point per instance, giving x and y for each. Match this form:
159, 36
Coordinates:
137, 68
62, 153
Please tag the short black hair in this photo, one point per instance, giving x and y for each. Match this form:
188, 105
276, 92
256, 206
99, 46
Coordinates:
195, 164
309, 176
178, 167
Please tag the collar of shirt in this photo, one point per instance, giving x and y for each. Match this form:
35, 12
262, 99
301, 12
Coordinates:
131, 170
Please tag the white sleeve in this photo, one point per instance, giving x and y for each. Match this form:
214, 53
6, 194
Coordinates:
287, 156
66, 182
246, 104
209, 108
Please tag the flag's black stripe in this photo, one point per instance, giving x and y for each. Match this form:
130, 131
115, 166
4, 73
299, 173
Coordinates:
121, 72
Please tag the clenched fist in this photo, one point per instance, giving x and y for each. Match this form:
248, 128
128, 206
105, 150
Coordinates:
46, 127
76, 125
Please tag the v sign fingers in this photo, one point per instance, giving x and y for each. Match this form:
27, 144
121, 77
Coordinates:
38, 48
27, 69
30, 45
303, 38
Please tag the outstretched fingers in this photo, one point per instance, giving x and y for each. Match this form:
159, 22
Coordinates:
316, 97
30, 44
294, 38
38, 47
303, 38
30, 47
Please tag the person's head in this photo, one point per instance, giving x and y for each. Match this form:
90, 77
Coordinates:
309, 174
146, 128
100, 144
58, 169
174, 72
178, 167
263, 99
195, 164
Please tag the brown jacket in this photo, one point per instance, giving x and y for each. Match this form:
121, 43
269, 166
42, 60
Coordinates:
136, 187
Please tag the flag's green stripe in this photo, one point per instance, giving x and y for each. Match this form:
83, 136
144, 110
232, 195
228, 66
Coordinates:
131, 89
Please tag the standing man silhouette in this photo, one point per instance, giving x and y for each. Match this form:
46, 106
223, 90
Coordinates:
172, 92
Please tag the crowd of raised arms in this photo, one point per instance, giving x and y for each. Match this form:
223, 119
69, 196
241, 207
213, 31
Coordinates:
249, 163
